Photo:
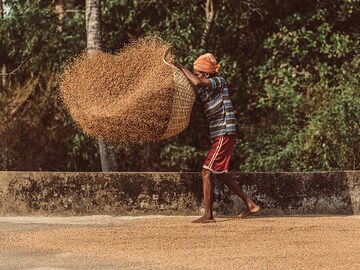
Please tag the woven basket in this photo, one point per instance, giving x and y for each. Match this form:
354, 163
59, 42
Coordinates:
183, 101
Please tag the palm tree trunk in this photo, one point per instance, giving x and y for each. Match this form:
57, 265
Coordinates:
93, 26
93, 33
60, 10
210, 9
3, 66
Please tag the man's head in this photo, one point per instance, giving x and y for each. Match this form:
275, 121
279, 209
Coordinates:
206, 66
203, 75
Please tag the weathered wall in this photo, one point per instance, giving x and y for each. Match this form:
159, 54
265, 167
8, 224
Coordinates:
57, 193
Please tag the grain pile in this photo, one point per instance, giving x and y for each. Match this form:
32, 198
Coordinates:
124, 97
163, 242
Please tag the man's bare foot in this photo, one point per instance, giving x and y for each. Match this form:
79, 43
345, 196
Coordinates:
254, 209
204, 219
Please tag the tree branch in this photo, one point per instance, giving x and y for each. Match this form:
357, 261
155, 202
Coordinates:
14, 71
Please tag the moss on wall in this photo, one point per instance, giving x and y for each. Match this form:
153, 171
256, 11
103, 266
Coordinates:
57, 193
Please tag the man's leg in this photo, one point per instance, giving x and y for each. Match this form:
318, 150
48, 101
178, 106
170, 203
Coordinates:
208, 191
252, 207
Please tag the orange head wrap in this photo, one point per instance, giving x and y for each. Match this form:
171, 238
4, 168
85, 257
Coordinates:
207, 63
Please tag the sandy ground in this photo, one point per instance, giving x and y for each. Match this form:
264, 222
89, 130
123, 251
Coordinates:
158, 242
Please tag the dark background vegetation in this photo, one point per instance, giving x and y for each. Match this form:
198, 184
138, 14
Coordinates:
293, 68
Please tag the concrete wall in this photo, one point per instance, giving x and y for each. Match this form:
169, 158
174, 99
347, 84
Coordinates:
57, 193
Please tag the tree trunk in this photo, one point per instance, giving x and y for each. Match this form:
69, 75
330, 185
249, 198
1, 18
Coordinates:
93, 33
209, 15
93, 27
3, 66
3, 76
60, 10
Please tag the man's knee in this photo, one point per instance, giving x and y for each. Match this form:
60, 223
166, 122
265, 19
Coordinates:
205, 173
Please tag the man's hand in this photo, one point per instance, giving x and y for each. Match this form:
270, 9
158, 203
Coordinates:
180, 66
194, 80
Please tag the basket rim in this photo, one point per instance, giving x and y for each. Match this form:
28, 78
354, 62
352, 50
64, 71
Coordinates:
164, 58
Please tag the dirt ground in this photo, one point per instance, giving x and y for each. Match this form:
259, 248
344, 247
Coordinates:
160, 242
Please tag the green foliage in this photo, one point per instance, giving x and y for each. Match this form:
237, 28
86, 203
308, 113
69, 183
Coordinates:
293, 72
30, 31
332, 137
33, 131
182, 157
308, 94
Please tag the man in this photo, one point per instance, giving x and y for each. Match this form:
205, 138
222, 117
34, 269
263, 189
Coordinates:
214, 95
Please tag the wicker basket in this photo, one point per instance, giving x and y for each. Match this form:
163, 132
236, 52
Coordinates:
183, 101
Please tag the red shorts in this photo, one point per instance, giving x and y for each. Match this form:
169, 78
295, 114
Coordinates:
218, 158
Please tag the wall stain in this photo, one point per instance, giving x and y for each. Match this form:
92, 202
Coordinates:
60, 193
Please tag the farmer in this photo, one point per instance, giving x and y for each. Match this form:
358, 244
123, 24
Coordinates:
214, 95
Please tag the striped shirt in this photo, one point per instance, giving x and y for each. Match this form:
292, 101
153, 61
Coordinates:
218, 107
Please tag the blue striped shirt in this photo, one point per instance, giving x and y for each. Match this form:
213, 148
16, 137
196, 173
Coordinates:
218, 107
